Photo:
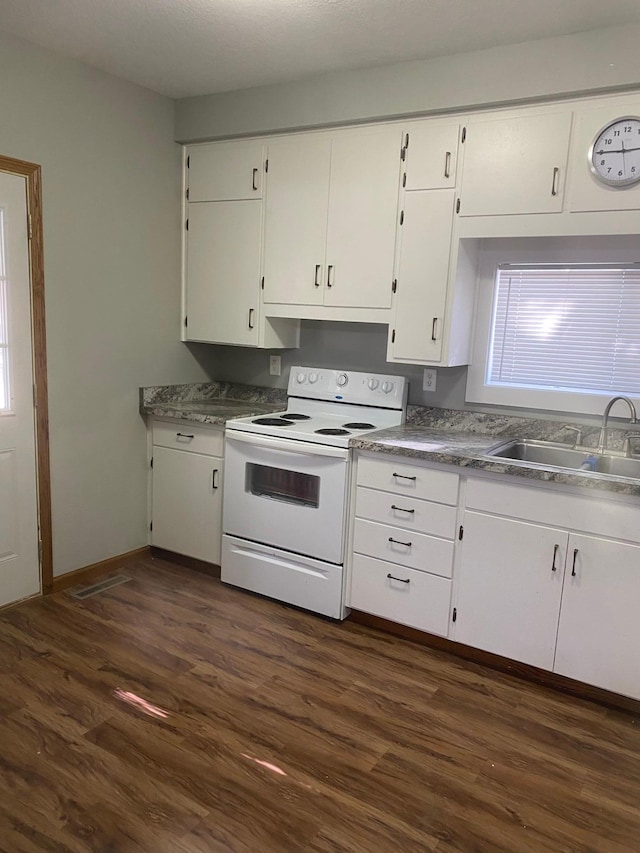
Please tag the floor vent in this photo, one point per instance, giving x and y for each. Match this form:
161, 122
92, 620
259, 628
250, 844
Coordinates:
98, 587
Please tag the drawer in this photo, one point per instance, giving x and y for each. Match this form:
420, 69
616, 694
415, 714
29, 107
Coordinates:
408, 479
416, 599
196, 439
407, 512
404, 547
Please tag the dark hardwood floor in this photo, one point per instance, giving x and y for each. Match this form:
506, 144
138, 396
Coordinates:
175, 715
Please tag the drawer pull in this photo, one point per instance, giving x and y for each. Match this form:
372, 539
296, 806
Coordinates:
402, 509
184, 435
399, 542
402, 580
403, 476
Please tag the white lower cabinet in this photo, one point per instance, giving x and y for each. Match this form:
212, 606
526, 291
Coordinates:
599, 630
402, 536
538, 575
187, 490
510, 585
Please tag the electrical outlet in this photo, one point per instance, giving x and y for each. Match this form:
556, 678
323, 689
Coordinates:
429, 379
275, 365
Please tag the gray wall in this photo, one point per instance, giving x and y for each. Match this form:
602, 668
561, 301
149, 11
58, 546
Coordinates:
111, 187
595, 61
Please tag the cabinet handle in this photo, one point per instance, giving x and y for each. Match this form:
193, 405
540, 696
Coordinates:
184, 435
399, 542
434, 326
555, 553
573, 566
403, 476
251, 313
447, 164
402, 509
402, 580
214, 478
316, 280
554, 182
329, 275
254, 180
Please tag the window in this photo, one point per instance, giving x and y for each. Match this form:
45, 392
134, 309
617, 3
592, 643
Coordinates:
4, 344
557, 336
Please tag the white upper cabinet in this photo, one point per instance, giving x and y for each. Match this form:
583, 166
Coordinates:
222, 292
431, 155
330, 219
586, 192
515, 165
225, 171
296, 219
363, 209
422, 276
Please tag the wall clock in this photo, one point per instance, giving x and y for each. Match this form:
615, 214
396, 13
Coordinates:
614, 156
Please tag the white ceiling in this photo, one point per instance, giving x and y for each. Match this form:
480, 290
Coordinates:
195, 47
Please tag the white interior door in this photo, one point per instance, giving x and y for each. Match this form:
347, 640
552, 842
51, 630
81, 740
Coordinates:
19, 564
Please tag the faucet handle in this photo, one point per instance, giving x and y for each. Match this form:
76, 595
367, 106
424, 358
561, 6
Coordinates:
578, 432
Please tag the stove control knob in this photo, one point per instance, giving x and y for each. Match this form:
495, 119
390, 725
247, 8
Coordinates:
300, 378
387, 387
342, 379
313, 377
373, 384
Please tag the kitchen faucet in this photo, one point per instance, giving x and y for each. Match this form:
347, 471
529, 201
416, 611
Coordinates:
602, 441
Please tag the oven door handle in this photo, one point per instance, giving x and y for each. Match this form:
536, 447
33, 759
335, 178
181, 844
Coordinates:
286, 445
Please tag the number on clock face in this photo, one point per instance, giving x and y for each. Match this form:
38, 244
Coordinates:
614, 157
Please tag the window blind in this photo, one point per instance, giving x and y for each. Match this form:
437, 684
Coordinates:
571, 328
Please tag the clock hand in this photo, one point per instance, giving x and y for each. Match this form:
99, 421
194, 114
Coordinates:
618, 150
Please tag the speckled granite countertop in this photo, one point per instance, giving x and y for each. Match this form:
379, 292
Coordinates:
468, 449
211, 402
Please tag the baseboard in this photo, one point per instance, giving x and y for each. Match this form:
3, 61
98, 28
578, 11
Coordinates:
511, 667
189, 562
89, 572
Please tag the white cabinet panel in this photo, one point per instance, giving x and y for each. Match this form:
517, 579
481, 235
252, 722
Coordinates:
187, 503
510, 588
423, 276
188, 437
408, 512
404, 547
223, 272
515, 165
402, 595
404, 478
599, 630
223, 171
431, 157
296, 219
363, 205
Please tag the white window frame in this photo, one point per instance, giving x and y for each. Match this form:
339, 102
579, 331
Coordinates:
583, 250
5, 376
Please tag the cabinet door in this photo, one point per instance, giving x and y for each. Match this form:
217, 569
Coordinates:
223, 272
187, 503
599, 630
423, 273
296, 220
363, 206
224, 171
431, 156
515, 165
510, 587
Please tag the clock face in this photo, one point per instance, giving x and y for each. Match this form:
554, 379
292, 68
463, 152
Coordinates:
614, 157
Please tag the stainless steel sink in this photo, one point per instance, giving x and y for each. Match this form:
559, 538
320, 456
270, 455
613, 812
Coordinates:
560, 456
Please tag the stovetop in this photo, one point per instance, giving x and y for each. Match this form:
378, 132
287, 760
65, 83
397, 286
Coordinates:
331, 407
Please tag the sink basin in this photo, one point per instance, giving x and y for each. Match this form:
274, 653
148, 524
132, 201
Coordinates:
559, 456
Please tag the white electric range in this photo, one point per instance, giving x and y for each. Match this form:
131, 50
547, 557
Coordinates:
286, 485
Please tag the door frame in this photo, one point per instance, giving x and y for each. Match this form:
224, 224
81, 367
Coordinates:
33, 175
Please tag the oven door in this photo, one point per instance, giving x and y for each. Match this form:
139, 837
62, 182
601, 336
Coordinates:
287, 494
